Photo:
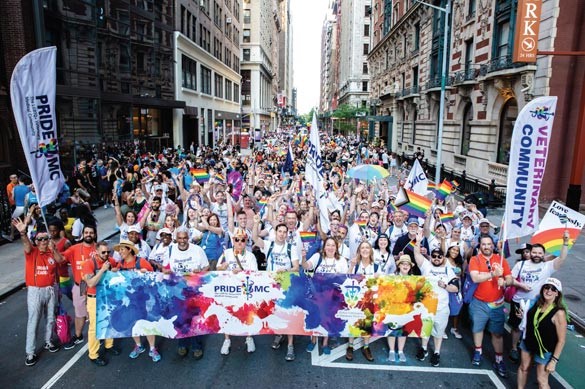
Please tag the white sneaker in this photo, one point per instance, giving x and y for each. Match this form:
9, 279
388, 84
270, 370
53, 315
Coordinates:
250, 344
392, 356
456, 333
401, 356
445, 336
225, 349
105, 206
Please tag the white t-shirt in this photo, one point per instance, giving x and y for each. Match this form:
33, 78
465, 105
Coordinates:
186, 262
435, 274
396, 233
159, 254
247, 260
328, 265
355, 234
294, 238
278, 258
533, 274
369, 270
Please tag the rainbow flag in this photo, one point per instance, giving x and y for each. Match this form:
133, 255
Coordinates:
455, 183
392, 207
300, 189
411, 244
263, 201
447, 217
200, 175
361, 223
431, 186
308, 236
417, 204
220, 177
444, 190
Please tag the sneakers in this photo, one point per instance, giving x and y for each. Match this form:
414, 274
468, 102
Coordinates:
310, 347
225, 348
51, 347
326, 350
250, 346
106, 206
99, 361
514, 356
182, 351
476, 361
367, 354
445, 336
401, 357
422, 354
435, 359
455, 332
75, 340
114, 350
31, 360
500, 368
290, 353
154, 354
277, 341
349, 353
392, 356
136, 351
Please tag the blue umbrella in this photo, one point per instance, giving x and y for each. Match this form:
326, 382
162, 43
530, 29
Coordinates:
368, 172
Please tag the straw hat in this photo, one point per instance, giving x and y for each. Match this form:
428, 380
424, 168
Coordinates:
404, 258
128, 244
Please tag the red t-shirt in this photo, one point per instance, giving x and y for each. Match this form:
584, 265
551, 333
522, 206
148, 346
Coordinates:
63, 267
88, 268
131, 265
76, 255
40, 268
489, 291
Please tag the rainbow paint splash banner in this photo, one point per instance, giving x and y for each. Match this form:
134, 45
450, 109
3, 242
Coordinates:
558, 219
130, 303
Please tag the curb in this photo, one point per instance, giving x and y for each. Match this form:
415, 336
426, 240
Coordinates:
22, 285
577, 322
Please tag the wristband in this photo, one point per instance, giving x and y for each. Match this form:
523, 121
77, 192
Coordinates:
554, 358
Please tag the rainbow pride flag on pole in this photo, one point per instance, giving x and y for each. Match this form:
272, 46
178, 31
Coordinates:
447, 217
200, 175
308, 236
444, 190
417, 205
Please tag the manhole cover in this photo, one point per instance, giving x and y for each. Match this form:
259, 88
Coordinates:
572, 297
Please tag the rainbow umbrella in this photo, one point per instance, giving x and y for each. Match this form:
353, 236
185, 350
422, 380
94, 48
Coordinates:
368, 172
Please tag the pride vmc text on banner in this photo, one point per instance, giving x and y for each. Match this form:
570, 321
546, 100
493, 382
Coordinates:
32, 92
528, 154
131, 303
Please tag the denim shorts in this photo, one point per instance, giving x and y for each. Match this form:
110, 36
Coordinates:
537, 358
483, 315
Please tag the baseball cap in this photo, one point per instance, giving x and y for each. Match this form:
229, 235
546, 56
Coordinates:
165, 231
158, 187
134, 228
412, 220
375, 204
483, 221
525, 246
554, 282
466, 215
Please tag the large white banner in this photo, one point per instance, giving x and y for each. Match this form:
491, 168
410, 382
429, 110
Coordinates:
417, 180
32, 91
314, 173
528, 153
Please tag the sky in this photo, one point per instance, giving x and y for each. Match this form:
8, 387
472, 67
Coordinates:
307, 18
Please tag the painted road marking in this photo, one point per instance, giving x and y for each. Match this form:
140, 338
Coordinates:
65, 368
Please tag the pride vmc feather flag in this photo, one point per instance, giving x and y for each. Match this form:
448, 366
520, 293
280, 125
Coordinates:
32, 91
528, 153
314, 173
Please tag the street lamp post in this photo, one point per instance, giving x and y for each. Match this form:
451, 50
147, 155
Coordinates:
447, 11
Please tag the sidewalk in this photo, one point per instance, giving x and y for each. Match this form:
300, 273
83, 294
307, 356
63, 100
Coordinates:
12, 254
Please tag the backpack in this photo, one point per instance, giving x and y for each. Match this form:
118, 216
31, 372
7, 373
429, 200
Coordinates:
357, 266
288, 251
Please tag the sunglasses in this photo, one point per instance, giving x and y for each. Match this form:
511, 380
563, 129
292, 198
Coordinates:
436, 256
550, 287
238, 240
104, 252
42, 239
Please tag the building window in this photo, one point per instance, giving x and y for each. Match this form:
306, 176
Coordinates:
365, 68
247, 16
468, 56
402, 122
502, 40
246, 55
466, 129
246, 35
414, 117
218, 86
236, 93
415, 79
366, 49
364, 86
205, 80
366, 30
504, 19
367, 11
228, 90
507, 119
189, 73
416, 42
471, 9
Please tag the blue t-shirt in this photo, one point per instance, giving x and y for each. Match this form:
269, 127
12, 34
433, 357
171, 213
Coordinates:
211, 243
20, 192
